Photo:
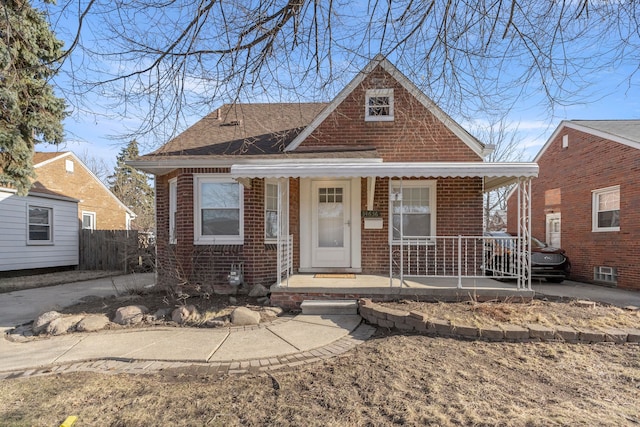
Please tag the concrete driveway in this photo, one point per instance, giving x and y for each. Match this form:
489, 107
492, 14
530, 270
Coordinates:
585, 291
20, 307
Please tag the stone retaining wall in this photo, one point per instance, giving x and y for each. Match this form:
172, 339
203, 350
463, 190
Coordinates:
418, 322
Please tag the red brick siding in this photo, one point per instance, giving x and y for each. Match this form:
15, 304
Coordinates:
207, 266
80, 184
458, 212
414, 135
589, 163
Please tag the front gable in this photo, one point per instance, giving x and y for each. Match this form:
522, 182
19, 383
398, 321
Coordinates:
66, 174
416, 130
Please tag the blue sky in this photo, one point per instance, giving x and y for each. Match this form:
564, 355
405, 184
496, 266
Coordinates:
91, 133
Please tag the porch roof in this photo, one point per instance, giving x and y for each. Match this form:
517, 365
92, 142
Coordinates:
495, 174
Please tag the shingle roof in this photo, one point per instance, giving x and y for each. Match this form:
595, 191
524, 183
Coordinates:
242, 129
628, 129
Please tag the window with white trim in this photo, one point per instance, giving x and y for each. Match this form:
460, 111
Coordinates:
270, 210
40, 224
88, 220
173, 208
379, 105
605, 274
606, 209
218, 212
413, 209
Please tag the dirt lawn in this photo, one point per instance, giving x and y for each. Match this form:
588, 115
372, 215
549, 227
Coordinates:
392, 379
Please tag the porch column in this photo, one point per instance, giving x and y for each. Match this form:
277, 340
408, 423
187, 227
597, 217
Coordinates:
524, 234
284, 249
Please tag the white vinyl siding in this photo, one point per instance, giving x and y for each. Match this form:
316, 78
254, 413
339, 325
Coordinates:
606, 209
219, 210
15, 251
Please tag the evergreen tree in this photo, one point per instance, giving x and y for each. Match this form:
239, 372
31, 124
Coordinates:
132, 187
30, 113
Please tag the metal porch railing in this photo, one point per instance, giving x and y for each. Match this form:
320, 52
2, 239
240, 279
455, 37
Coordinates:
459, 257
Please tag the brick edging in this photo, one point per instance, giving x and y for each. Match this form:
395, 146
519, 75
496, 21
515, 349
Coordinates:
413, 321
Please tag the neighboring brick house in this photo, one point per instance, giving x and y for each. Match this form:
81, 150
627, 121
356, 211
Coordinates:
98, 207
587, 199
331, 187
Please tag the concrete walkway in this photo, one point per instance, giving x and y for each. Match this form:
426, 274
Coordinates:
585, 291
285, 342
19, 307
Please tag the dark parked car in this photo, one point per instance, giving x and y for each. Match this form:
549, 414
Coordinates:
546, 262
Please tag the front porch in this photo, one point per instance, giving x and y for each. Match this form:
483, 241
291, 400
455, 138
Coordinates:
290, 293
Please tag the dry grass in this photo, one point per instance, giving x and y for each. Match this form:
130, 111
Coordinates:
539, 312
389, 380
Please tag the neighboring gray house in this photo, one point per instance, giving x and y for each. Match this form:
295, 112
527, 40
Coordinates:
39, 230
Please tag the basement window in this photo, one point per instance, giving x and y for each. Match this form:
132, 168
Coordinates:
605, 274
379, 105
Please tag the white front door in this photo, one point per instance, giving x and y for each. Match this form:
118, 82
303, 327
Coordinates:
553, 230
331, 224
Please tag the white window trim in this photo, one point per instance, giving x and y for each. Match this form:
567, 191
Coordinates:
215, 240
93, 220
173, 208
594, 208
429, 183
599, 276
375, 93
270, 182
41, 242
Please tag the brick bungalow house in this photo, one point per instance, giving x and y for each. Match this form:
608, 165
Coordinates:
380, 181
587, 199
98, 207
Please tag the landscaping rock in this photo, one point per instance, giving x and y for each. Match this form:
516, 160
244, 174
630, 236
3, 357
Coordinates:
243, 316
130, 315
64, 324
273, 311
92, 323
161, 313
233, 300
258, 291
42, 321
263, 301
184, 313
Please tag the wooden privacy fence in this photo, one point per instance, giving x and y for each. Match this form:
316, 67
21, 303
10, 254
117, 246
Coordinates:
117, 250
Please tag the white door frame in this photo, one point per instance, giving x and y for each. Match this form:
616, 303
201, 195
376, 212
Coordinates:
307, 227
550, 218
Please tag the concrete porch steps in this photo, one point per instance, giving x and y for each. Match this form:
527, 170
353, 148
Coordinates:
319, 307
